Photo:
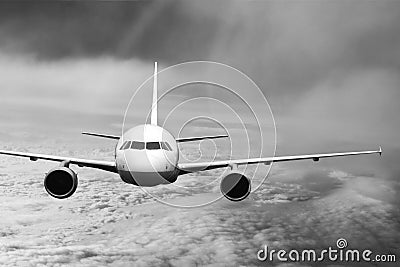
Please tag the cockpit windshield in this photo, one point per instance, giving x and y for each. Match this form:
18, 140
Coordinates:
137, 145
126, 145
153, 145
166, 146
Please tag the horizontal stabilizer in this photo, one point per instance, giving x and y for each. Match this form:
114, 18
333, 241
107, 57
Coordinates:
190, 139
116, 137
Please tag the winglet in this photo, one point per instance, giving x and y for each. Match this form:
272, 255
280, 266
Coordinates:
380, 151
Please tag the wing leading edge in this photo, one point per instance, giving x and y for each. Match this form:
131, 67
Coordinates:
97, 164
203, 166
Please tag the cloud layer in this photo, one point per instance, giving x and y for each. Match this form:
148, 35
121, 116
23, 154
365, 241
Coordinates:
109, 223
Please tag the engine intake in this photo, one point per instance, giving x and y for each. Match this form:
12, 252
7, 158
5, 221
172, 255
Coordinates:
61, 182
235, 186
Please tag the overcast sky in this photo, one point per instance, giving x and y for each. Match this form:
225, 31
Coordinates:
330, 70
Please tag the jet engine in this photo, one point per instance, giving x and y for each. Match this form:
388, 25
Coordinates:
235, 186
61, 182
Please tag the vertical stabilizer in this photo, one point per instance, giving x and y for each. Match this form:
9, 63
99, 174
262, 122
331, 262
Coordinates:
154, 104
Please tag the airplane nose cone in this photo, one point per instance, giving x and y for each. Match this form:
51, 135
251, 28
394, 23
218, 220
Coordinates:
148, 161
157, 160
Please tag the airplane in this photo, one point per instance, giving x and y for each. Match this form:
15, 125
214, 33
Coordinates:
148, 155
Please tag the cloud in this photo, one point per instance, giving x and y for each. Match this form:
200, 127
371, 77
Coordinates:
107, 222
121, 29
282, 45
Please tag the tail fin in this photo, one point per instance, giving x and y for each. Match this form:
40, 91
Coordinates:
154, 113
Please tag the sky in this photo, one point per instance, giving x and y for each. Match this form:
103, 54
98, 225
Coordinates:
329, 70
88, 57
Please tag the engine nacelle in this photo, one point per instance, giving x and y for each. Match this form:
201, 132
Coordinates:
61, 182
235, 186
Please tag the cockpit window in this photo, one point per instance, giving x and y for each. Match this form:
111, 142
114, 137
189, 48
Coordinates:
137, 145
153, 145
126, 145
166, 146
122, 147
169, 147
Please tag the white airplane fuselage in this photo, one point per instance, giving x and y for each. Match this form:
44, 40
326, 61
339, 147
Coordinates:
147, 155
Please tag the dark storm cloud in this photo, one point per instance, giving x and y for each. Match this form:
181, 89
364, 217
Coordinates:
287, 47
145, 29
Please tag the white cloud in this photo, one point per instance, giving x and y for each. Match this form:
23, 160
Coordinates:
110, 223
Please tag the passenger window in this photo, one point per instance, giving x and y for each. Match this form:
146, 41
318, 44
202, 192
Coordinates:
152, 145
137, 145
165, 146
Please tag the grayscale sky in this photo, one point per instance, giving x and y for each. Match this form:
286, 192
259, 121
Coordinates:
329, 69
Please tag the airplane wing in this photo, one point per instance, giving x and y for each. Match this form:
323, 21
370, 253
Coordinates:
203, 166
97, 164
189, 139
